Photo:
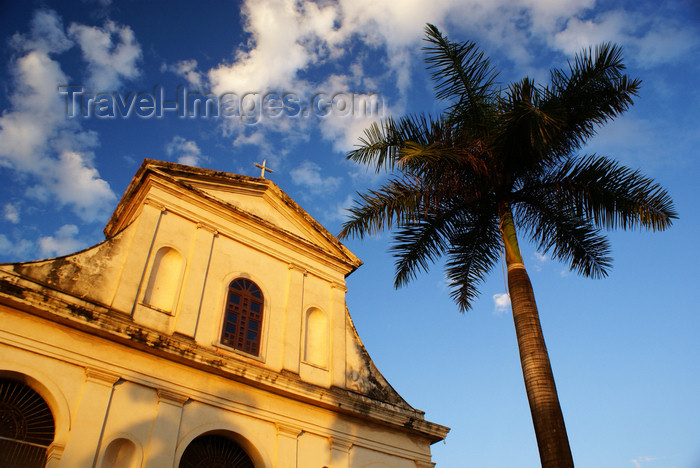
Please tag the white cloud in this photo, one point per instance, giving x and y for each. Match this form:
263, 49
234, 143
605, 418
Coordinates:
285, 38
46, 34
273, 154
37, 111
501, 303
308, 175
62, 242
289, 39
79, 185
37, 140
580, 34
188, 70
349, 113
104, 3
649, 40
111, 53
254, 138
664, 43
11, 212
19, 249
540, 260
634, 140
5, 244
345, 132
186, 151
639, 460
340, 212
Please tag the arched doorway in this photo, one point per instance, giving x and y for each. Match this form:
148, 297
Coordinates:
215, 450
26, 426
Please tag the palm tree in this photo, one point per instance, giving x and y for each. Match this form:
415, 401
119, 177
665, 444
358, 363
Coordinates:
497, 162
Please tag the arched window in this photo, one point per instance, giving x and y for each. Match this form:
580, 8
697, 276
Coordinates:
26, 425
164, 281
316, 338
243, 316
120, 453
212, 450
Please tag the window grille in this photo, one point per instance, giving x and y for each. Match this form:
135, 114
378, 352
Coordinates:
242, 326
26, 426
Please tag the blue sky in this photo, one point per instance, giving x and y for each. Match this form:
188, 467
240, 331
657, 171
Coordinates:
624, 349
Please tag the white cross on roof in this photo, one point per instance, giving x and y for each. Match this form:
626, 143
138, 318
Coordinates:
263, 169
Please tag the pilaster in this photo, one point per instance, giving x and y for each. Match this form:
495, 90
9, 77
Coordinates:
287, 445
166, 429
338, 334
195, 280
295, 303
340, 453
126, 295
84, 439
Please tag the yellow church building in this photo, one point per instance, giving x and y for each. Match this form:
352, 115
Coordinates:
208, 330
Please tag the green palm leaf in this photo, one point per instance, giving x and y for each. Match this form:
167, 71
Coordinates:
462, 75
611, 195
474, 251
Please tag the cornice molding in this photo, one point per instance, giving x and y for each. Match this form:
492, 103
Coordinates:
101, 321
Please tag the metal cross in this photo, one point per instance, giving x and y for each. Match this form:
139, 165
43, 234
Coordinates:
263, 169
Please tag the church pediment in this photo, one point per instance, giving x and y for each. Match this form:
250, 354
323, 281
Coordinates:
258, 200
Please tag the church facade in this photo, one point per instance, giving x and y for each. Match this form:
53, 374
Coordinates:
209, 329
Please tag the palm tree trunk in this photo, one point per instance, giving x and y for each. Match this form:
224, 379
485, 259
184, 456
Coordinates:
547, 417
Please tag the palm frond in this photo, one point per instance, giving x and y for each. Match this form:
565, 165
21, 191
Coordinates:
379, 147
394, 203
442, 152
382, 142
419, 242
590, 93
461, 72
527, 132
568, 237
473, 252
610, 194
